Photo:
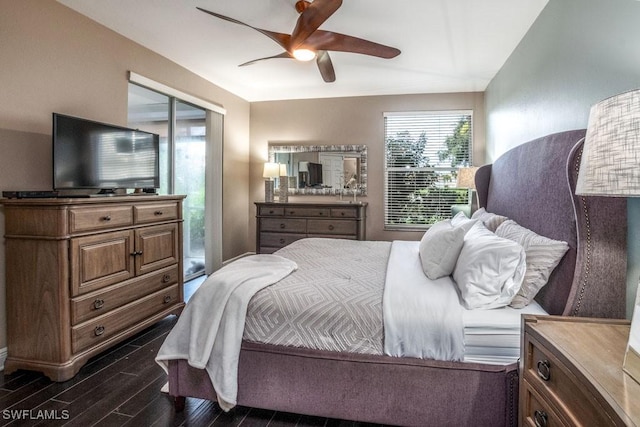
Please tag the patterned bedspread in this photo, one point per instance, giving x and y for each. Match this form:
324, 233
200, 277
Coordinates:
327, 304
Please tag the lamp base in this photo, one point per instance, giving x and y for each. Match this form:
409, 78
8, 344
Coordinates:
283, 193
268, 191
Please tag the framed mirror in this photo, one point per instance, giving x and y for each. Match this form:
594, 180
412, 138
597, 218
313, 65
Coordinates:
323, 169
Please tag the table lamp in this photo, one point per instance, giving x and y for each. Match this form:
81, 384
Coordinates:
271, 171
610, 166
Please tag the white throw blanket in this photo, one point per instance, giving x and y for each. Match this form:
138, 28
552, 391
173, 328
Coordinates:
422, 317
209, 331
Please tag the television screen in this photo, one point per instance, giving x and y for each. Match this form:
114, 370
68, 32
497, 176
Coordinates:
93, 155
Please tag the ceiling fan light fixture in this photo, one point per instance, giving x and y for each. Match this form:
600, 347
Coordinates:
304, 54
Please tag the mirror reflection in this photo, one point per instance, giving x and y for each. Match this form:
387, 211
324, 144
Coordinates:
323, 169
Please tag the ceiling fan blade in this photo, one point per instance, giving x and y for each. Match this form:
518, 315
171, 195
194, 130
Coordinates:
312, 16
325, 66
326, 40
281, 55
282, 39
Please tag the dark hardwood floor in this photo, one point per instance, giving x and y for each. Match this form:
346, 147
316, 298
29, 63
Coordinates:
121, 387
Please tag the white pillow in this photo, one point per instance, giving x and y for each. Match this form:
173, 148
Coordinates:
490, 269
543, 255
440, 246
491, 221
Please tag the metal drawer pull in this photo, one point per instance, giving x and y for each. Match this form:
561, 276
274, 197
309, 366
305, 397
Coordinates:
544, 370
167, 299
282, 225
292, 212
99, 330
282, 241
158, 213
135, 253
166, 278
540, 418
331, 227
106, 218
98, 304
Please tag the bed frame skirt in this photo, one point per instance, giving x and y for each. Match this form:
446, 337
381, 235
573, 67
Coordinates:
379, 389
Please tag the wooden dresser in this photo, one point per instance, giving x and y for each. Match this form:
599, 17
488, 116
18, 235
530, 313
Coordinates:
85, 273
571, 373
278, 224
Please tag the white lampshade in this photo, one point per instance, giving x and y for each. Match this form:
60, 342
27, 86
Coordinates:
467, 177
283, 169
271, 170
303, 166
610, 164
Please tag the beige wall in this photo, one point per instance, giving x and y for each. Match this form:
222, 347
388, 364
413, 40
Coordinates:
53, 59
358, 120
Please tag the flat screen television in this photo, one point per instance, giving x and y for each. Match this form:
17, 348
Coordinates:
98, 156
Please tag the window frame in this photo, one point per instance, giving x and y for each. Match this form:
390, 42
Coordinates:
446, 174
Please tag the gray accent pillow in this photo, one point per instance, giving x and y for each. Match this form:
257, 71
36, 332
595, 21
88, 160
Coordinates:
440, 247
543, 255
490, 220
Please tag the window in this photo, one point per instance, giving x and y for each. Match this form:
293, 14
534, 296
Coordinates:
423, 151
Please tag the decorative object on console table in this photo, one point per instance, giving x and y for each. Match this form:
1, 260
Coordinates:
571, 373
466, 179
278, 224
610, 166
271, 171
283, 184
65, 302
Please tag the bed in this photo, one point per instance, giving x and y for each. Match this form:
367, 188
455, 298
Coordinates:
532, 184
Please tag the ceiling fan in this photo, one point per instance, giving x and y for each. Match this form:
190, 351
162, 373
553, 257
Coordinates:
307, 42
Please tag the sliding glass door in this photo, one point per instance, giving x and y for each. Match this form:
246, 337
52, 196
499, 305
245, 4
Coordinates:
182, 129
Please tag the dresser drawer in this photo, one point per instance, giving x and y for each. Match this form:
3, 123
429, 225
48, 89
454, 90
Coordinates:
270, 211
101, 218
155, 212
283, 225
331, 227
553, 379
344, 213
312, 212
97, 303
279, 240
101, 328
536, 412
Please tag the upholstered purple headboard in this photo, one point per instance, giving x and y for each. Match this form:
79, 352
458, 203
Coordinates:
534, 184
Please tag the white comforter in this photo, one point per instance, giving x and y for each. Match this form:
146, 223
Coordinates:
209, 331
422, 317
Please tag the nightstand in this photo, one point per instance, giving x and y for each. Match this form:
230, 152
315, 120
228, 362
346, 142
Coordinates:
571, 373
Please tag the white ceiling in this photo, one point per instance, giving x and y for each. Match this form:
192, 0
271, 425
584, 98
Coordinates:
447, 45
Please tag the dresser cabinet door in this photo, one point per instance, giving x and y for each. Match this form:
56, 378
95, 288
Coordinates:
101, 260
156, 247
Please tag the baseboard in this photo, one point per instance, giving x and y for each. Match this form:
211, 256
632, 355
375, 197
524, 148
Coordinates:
3, 357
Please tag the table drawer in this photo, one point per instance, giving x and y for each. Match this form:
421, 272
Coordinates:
308, 212
101, 328
279, 240
96, 303
155, 212
344, 213
270, 211
331, 227
104, 217
553, 379
536, 412
283, 225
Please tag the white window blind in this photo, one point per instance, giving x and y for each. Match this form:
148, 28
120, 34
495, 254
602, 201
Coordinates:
423, 151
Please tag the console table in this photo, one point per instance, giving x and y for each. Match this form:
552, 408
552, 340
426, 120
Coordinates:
85, 273
571, 373
278, 224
